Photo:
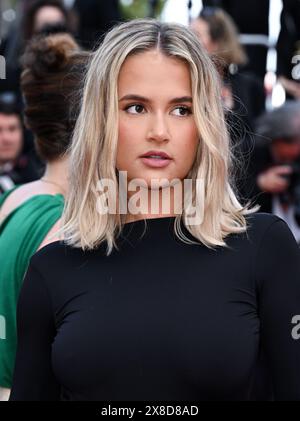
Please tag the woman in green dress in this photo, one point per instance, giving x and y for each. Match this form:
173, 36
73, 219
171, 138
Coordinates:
30, 213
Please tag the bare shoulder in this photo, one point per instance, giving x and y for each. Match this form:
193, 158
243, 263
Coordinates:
21, 195
53, 235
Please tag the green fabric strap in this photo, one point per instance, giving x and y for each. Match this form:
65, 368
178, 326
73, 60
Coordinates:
21, 234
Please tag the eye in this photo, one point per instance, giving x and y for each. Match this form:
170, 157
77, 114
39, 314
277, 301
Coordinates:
182, 111
134, 109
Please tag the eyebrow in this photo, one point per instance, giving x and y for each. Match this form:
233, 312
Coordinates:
143, 99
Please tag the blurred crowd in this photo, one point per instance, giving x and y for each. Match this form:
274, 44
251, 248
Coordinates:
236, 35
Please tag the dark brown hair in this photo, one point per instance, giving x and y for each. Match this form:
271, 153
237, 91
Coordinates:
51, 83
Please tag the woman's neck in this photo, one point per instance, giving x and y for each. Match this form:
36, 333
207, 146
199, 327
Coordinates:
156, 206
56, 174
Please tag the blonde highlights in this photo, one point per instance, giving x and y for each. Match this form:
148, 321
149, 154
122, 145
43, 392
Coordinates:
94, 146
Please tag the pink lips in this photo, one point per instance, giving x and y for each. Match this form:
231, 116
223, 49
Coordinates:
156, 159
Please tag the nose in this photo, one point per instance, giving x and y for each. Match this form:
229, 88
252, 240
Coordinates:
158, 128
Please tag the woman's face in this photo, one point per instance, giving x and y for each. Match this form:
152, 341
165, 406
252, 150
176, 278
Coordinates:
155, 116
48, 15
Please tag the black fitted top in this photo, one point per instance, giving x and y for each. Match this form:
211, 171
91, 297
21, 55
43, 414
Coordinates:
160, 319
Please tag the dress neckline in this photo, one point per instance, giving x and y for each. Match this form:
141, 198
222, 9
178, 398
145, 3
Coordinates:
157, 219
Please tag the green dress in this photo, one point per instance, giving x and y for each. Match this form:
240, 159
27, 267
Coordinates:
21, 233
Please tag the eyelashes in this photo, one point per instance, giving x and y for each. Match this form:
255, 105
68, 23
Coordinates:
186, 109
139, 108
127, 108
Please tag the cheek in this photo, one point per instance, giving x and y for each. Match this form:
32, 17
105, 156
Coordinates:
17, 139
206, 42
187, 150
129, 133
129, 144
124, 134
125, 141
190, 143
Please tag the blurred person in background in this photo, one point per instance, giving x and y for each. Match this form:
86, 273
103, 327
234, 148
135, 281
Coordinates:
242, 92
288, 49
276, 164
255, 24
41, 14
15, 167
252, 20
37, 16
29, 214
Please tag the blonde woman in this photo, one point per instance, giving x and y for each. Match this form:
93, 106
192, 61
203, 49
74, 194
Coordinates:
157, 301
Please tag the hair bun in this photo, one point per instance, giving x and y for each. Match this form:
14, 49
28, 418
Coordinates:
45, 54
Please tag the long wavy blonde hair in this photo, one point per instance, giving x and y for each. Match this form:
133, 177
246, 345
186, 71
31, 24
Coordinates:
94, 146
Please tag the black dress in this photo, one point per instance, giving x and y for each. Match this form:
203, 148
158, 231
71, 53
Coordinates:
160, 319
